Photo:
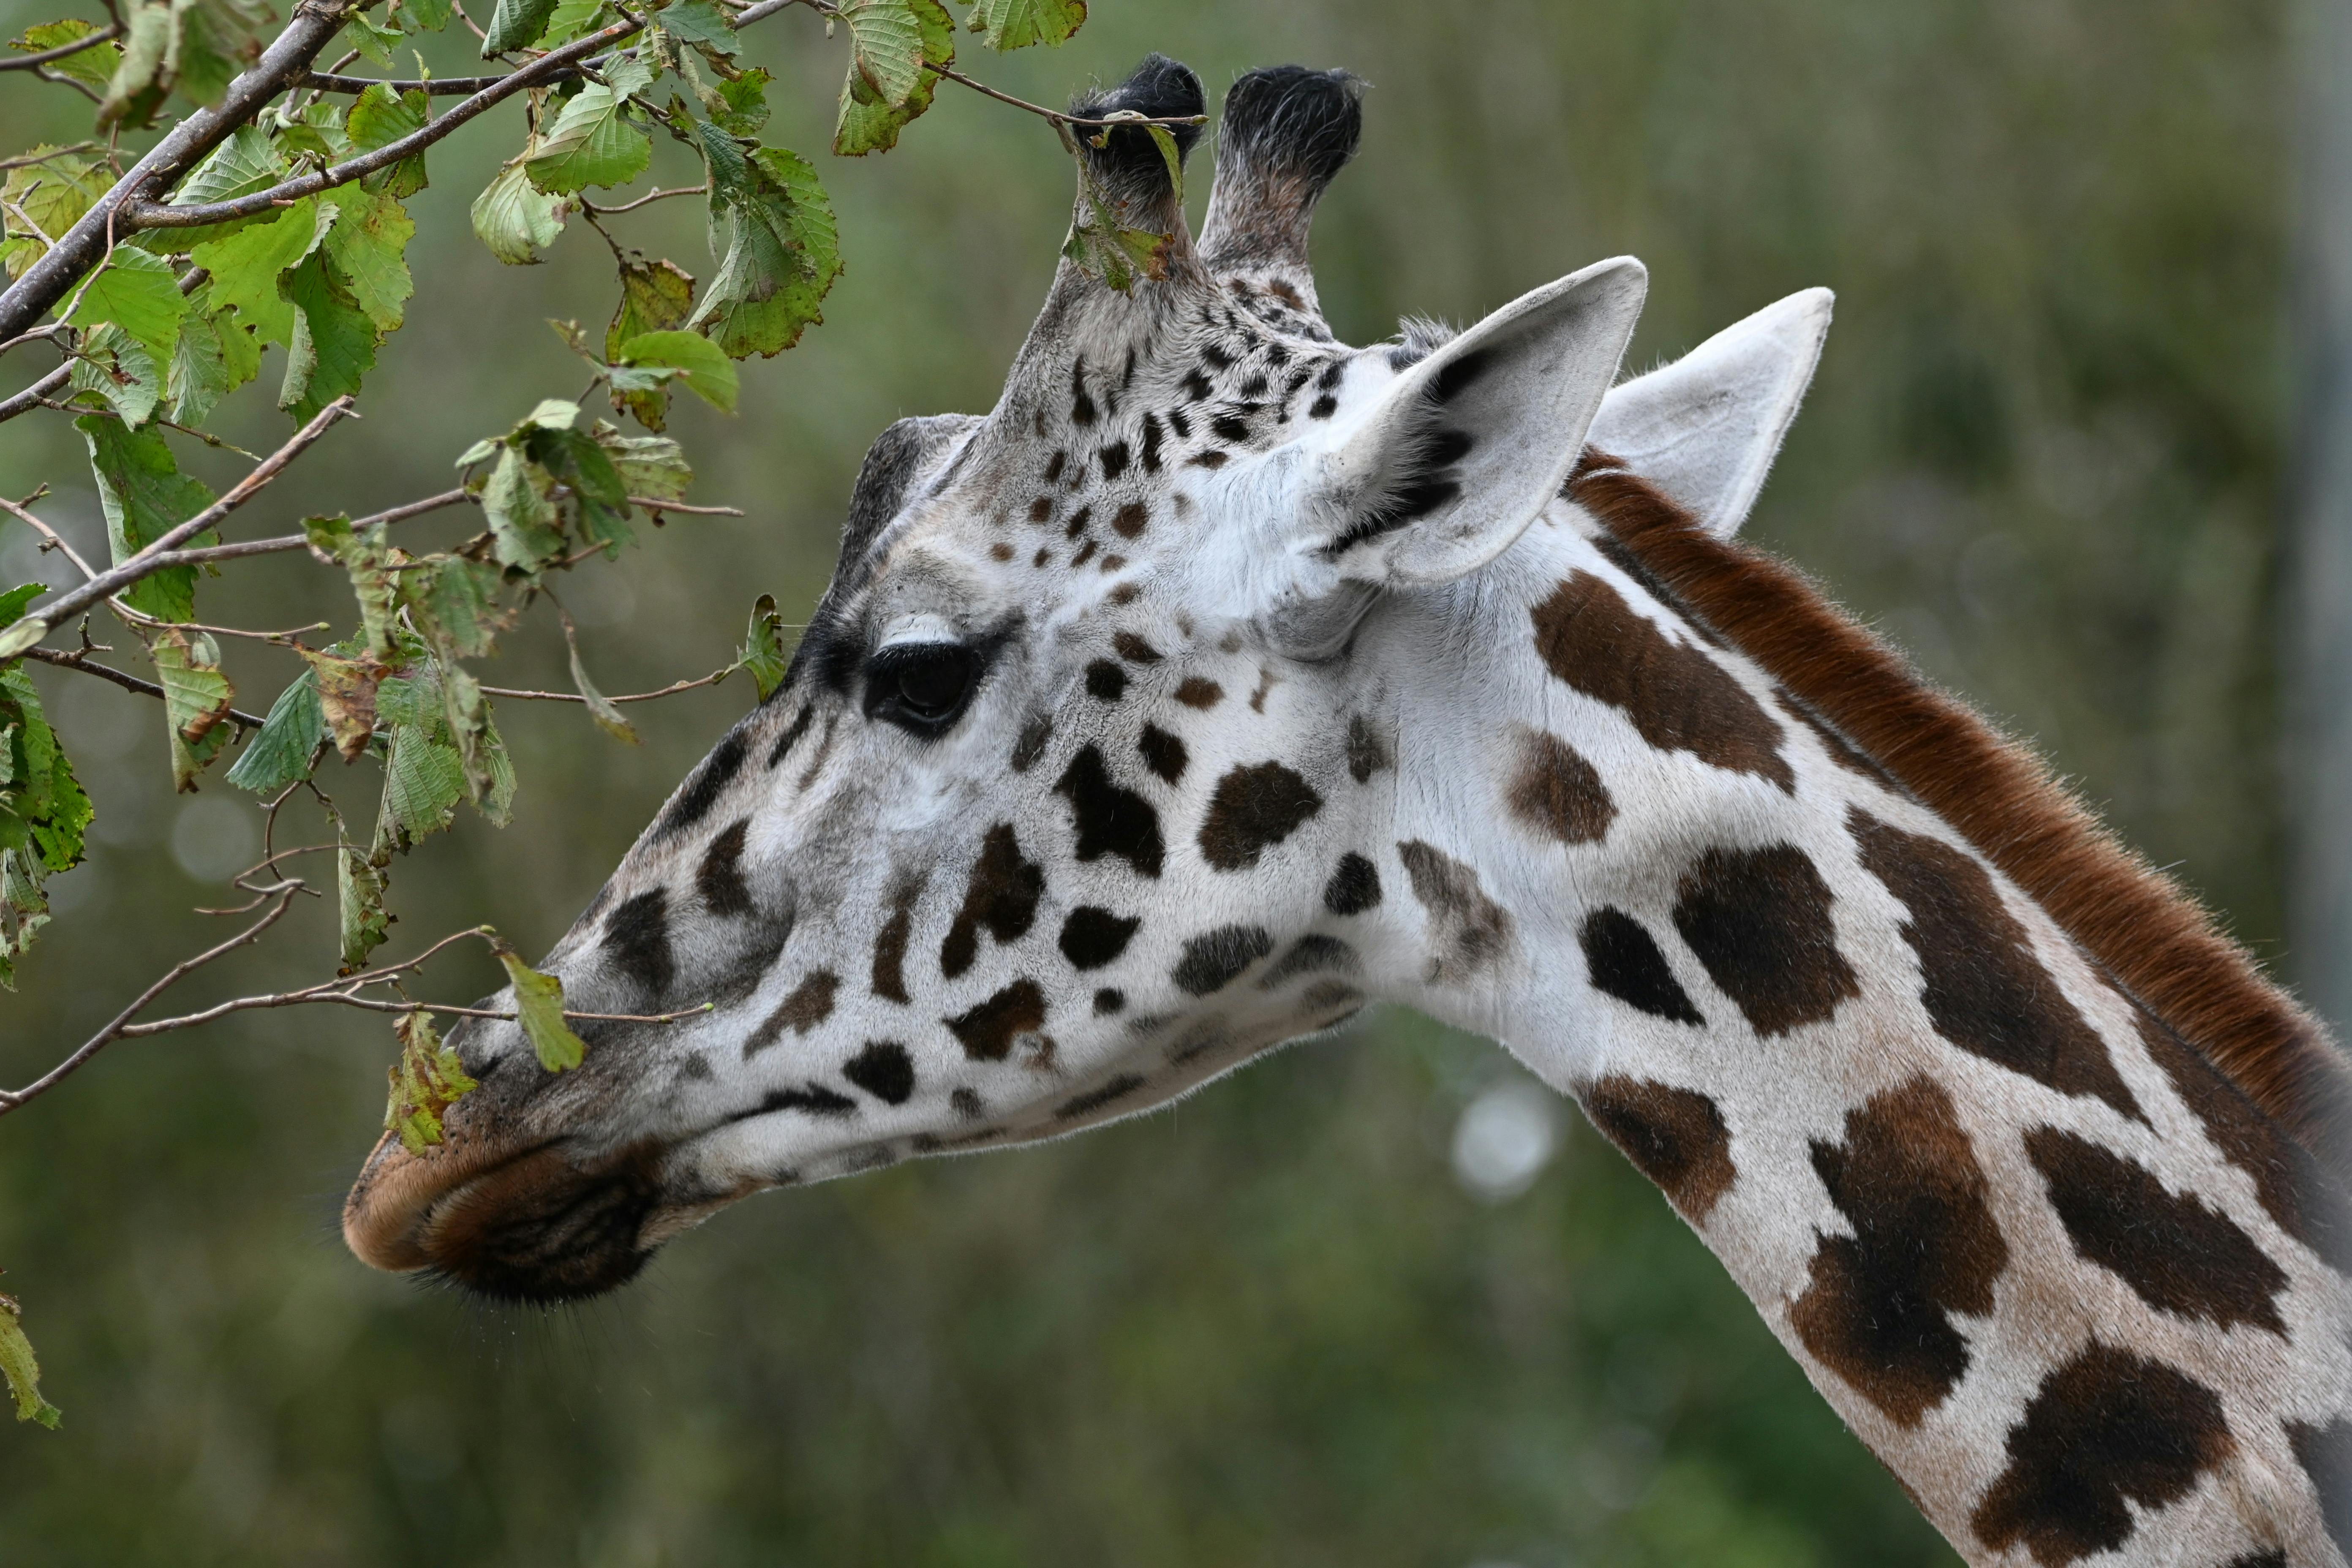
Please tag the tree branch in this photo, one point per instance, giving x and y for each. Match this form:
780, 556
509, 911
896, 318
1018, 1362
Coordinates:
437, 87
42, 619
285, 542
672, 689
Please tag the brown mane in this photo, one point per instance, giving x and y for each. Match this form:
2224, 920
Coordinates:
2153, 939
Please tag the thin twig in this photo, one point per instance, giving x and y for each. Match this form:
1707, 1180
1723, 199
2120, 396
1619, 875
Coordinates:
300, 999
91, 40
439, 87
656, 195
55, 541
713, 678
651, 503
107, 584
1056, 115
14, 1099
29, 159
285, 542
81, 661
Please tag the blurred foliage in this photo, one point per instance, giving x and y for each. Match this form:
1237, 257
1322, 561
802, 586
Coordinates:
1268, 1327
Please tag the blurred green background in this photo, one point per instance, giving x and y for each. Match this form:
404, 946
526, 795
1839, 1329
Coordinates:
1277, 1325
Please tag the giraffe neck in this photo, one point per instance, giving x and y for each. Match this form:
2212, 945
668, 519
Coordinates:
2043, 1258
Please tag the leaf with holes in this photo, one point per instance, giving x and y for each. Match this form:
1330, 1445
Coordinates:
21, 1370
1107, 249
346, 690
196, 700
781, 253
1017, 24
114, 367
379, 116
763, 653
538, 1007
369, 248
591, 144
651, 468
246, 266
426, 1080
334, 343
286, 747
366, 555
453, 602
144, 495
656, 297
92, 67
515, 219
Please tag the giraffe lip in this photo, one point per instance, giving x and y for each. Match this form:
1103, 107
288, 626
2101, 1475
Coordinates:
388, 1215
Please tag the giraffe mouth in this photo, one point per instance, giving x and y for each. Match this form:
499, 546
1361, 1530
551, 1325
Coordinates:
512, 1222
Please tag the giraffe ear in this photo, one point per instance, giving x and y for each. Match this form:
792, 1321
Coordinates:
1705, 428
1464, 448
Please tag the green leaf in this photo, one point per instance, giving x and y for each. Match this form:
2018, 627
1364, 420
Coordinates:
522, 519
427, 16
887, 85
196, 700
284, 749
743, 102
144, 495
608, 718
455, 604
366, 555
781, 252
515, 219
121, 371
361, 923
892, 40
590, 145
214, 357
93, 66
656, 297
12, 602
763, 653
651, 468
1017, 24
373, 40
52, 193
249, 161
141, 75
700, 22
140, 293
539, 1006
246, 266
423, 779
368, 246
334, 343
44, 813
380, 117
706, 371
20, 1369
515, 24
426, 1080
1103, 246
599, 503
573, 19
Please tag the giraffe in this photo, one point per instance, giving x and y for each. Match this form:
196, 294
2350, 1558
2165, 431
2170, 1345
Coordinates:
1224, 678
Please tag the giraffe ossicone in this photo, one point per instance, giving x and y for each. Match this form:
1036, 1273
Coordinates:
1224, 678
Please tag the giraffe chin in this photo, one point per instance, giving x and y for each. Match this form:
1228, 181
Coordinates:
512, 1223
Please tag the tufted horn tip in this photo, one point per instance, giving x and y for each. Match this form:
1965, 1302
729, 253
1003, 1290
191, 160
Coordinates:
1128, 165
1286, 132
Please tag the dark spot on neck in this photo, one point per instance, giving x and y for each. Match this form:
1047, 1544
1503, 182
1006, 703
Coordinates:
1114, 461
1030, 745
1001, 895
702, 791
1469, 931
790, 737
1623, 961
1760, 920
1129, 519
1367, 752
1216, 959
883, 1070
1109, 820
810, 1003
636, 941
1151, 434
1558, 793
1354, 887
889, 979
1673, 1136
1093, 937
1094, 1100
1254, 807
1106, 681
1198, 692
719, 878
1082, 408
987, 1030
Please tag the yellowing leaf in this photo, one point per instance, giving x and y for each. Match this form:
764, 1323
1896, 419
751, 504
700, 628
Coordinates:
21, 1370
539, 1006
515, 219
196, 700
92, 67
426, 1080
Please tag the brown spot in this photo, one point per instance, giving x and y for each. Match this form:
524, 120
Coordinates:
1673, 1136
1044, 554
2176, 1254
2287, 1180
988, 1029
1256, 806
810, 1003
719, 878
1354, 887
1760, 920
1054, 466
1984, 990
889, 980
1212, 458
1086, 553
1622, 960
1111, 563
2110, 1428
1001, 894
1677, 697
1031, 744
1077, 523
1197, 692
1134, 649
1000, 550
1473, 931
1367, 752
1877, 1311
1162, 752
1558, 793
1094, 1100
1129, 520
1214, 960
1042, 510
1125, 594
1266, 679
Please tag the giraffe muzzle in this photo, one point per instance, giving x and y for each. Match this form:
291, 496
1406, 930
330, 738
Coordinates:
512, 1222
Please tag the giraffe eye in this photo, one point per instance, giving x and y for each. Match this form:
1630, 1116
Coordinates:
922, 688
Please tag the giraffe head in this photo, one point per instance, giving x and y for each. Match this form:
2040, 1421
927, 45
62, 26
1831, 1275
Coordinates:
1063, 806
